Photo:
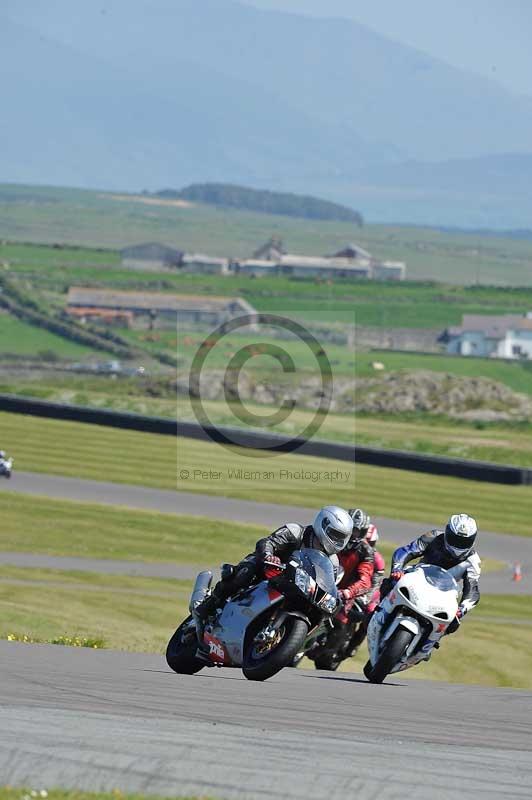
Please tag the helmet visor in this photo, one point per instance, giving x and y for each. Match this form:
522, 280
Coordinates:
338, 539
459, 542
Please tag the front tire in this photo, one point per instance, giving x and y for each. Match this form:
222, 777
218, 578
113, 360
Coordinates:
260, 667
393, 652
181, 655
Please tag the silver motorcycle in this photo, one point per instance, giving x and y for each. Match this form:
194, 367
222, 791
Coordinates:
262, 627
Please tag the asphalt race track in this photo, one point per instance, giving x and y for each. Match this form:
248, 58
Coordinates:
504, 548
102, 720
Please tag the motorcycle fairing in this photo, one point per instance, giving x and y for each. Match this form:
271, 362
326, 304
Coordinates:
229, 630
430, 592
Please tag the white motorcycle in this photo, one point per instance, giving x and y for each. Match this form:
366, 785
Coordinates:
6, 467
410, 621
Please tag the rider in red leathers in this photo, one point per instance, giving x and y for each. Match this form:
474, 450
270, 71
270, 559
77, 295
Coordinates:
370, 601
357, 563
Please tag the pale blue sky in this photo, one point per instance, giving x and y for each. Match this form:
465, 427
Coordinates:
490, 37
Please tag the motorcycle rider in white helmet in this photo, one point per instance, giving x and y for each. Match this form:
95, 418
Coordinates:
329, 533
452, 549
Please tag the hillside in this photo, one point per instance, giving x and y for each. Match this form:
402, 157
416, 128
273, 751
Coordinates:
215, 100
226, 195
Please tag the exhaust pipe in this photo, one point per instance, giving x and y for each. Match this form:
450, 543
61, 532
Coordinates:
201, 587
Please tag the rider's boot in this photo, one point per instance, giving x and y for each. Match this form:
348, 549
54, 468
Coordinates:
335, 639
203, 611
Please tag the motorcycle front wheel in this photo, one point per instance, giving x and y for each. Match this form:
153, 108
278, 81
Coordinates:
393, 652
261, 661
181, 652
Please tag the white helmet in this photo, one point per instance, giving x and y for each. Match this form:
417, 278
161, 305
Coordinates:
333, 526
460, 534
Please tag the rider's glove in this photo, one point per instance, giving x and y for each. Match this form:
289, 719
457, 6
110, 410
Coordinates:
342, 599
455, 624
396, 575
271, 565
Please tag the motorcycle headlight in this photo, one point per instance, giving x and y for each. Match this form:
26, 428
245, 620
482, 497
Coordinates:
329, 603
302, 580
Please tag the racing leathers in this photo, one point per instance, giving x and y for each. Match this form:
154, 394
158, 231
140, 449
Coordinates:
430, 549
369, 601
278, 546
357, 561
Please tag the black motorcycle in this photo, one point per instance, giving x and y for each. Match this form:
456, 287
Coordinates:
334, 641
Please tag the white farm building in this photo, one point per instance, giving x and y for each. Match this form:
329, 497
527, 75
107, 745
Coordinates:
505, 336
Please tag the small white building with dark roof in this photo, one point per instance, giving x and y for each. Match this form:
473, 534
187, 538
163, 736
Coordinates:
504, 336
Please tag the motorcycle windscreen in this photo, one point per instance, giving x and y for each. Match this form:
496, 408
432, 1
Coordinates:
438, 577
319, 566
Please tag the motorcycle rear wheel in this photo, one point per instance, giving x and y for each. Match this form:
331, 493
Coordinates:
181, 656
393, 652
260, 668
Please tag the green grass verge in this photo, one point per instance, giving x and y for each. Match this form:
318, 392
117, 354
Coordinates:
88, 530
61, 527
136, 615
90, 451
13, 793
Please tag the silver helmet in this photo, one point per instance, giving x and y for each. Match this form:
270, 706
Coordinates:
333, 526
460, 534
361, 522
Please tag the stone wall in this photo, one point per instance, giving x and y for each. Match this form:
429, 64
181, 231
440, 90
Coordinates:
419, 339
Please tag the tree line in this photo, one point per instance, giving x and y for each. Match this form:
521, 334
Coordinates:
285, 204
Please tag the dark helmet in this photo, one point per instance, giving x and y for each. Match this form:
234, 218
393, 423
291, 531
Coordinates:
460, 534
361, 522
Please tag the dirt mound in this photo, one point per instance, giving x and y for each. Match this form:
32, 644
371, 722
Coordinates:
405, 391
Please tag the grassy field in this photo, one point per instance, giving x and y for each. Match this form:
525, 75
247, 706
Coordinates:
48, 605
70, 216
86, 530
97, 452
21, 339
60, 527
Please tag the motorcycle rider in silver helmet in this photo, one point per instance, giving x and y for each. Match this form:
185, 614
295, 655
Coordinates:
453, 550
330, 532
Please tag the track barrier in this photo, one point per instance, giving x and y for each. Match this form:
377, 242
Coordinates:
379, 457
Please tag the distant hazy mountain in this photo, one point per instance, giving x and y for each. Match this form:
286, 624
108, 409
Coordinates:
166, 92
